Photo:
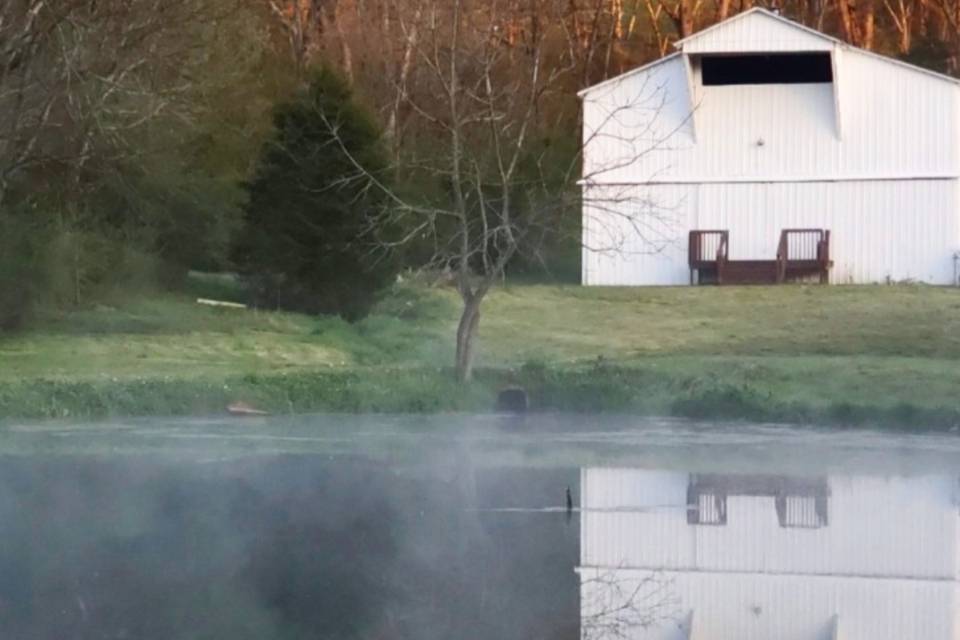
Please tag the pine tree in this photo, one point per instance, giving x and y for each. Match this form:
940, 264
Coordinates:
306, 244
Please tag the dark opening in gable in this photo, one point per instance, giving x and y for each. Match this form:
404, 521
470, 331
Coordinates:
781, 68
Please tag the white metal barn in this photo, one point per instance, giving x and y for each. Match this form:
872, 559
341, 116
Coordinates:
758, 125
678, 556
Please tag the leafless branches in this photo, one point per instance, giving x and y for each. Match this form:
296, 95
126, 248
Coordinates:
616, 604
481, 83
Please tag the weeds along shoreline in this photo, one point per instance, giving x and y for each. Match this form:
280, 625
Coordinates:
643, 391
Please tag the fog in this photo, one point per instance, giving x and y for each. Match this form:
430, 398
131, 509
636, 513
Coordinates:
404, 530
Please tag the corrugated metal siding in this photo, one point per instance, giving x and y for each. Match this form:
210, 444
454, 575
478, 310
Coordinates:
637, 235
759, 131
895, 123
896, 120
880, 230
756, 607
754, 32
626, 121
612, 489
891, 527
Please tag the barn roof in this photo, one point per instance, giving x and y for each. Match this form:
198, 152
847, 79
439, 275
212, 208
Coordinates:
627, 74
759, 30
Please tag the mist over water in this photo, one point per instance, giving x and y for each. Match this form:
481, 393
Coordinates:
398, 530
279, 547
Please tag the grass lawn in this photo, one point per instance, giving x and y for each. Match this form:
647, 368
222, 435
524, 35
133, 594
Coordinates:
839, 354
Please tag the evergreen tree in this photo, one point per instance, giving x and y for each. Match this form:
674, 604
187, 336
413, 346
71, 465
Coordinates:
305, 245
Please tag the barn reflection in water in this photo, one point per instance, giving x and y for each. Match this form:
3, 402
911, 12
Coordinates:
668, 556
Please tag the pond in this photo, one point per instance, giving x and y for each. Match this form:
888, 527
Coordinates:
486, 527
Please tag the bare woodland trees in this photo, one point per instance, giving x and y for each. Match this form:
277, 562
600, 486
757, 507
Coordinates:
76, 74
609, 35
100, 103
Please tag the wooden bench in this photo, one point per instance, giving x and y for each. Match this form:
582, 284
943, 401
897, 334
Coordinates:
801, 253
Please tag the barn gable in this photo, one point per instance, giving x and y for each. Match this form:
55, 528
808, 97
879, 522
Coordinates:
756, 30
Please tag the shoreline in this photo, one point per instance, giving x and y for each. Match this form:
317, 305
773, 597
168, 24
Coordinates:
750, 390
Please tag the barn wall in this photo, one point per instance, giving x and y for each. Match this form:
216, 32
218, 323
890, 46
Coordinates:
637, 235
895, 123
758, 607
905, 230
896, 120
881, 527
625, 121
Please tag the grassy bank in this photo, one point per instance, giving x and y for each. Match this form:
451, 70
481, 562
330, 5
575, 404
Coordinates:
847, 355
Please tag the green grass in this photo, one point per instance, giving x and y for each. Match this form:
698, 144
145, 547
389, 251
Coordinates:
875, 354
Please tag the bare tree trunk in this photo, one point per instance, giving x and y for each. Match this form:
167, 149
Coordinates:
663, 42
612, 41
723, 9
858, 22
869, 25
901, 14
683, 13
331, 23
466, 333
411, 41
591, 38
847, 20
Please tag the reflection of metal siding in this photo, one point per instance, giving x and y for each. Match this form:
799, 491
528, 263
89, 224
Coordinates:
760, 607
605, 531
711, 509
802, 512
876, 527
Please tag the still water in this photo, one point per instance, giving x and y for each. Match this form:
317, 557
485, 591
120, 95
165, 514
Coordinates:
460, 527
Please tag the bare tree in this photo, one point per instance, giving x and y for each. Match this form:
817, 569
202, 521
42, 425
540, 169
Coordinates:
901, 15
487, 117
498, 195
